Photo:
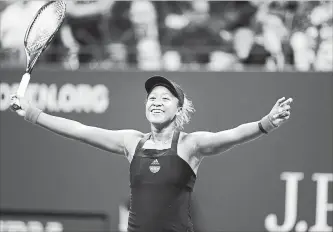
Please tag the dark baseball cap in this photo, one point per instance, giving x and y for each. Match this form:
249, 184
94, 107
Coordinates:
175, 89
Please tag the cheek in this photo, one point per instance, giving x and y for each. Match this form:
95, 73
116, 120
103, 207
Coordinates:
147, 105
146, 108
173, 109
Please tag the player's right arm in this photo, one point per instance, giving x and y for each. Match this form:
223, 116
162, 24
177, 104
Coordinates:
115, 141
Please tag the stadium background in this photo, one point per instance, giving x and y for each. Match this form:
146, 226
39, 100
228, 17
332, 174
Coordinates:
99, 81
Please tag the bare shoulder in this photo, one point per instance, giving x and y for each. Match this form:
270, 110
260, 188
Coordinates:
191, 139
186, 138
188, 143
188, 150
131, 134
131, 139
191, 142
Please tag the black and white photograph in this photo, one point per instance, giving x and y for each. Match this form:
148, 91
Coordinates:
166, 116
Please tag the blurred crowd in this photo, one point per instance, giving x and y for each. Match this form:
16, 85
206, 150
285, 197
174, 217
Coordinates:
179, 35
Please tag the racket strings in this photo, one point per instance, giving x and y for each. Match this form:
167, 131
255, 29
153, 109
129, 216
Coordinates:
45, 25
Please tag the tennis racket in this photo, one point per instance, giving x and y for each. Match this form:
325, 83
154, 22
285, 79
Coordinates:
38, 36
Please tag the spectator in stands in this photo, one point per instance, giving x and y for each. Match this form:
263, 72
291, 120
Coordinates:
119, 36
13, 30
86, 20
324, 59
195, 40
311, 38
71, 60
143, 16
133, 35
267, 42
241, 45
14, 20
273, 34
321, 18
156, 34
304, 55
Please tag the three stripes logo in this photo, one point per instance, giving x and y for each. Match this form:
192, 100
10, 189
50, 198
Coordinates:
155, 166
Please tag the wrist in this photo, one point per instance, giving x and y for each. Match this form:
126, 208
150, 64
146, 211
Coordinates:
266, 125
261, 128
32, 114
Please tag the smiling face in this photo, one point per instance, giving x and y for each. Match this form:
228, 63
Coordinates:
161, 106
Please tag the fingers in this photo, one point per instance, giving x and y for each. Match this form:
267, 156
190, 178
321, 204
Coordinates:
285, 114
287, 102
13, 99
279, 101
15, 103
12, 96
281, 110
282, 101
15, 106
21, 112
286, 108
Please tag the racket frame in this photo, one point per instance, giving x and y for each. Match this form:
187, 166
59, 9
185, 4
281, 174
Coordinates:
32, 57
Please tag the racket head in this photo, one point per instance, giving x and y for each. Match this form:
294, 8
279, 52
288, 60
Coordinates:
42, 30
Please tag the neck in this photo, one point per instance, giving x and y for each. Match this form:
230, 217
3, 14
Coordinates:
162, 135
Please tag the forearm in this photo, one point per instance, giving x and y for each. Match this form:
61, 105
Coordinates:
253, 130
215, 143
62, 126
108, 140
247, 132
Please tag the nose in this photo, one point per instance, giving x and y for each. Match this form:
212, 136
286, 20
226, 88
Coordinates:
157, 102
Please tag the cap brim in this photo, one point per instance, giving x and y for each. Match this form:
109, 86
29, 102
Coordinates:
159, 81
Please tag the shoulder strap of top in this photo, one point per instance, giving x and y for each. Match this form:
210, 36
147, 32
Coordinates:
141, 142
175, 141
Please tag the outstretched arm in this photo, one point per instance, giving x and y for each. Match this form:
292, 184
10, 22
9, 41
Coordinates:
208, 143
108, 140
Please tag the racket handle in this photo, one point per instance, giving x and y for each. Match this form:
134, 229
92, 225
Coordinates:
21, 91
23, 85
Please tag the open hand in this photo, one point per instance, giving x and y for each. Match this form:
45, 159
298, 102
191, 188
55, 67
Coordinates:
280, 112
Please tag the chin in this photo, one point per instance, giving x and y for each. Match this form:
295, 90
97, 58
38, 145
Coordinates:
157, 121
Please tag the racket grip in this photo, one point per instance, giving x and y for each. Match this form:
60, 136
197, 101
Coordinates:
23, 85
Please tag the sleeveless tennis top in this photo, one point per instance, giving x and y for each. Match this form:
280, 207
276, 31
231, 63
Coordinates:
161, 184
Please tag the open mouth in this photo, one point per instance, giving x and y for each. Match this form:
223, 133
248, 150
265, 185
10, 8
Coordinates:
157, 111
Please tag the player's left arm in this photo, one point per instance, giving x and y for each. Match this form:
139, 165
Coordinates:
209, 143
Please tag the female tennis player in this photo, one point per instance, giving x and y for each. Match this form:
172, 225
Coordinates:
163, 163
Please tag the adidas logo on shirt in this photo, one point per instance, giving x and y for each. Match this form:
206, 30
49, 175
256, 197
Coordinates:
155, 166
